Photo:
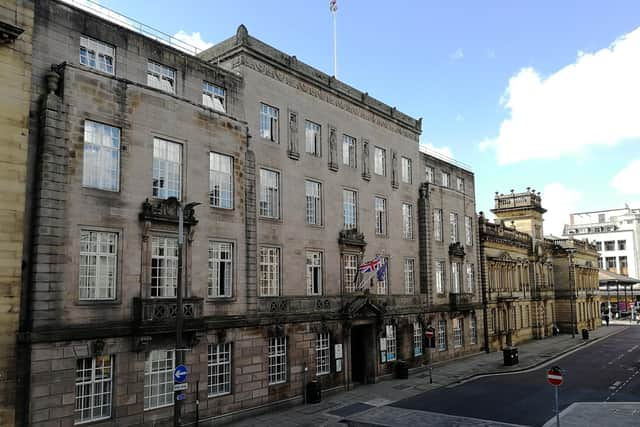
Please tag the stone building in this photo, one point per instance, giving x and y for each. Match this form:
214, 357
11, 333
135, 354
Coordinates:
16, 25
300, 179
532, 283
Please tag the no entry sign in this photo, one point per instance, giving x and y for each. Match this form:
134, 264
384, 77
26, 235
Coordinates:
554, 376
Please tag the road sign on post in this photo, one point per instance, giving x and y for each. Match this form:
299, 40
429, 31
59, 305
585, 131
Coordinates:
180, 374
554, 376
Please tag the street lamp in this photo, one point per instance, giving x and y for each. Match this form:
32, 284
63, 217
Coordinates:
179, 351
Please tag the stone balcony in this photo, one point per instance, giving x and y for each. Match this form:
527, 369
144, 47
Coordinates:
165, 309
461, 302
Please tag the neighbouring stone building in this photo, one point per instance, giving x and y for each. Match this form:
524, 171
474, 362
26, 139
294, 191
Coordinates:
532, 283
300, 179
16, 26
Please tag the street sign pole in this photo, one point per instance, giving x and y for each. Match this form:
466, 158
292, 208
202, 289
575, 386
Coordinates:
554, 377
430, 336
557, 408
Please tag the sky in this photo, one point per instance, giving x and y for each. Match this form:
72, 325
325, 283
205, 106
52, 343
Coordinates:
534, 93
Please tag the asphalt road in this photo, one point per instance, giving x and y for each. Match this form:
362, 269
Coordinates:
607, 371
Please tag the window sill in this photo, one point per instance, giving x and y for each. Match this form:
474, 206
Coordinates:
213, 396
221, 300
269, 140
98, 302
168, 405
223, 210
270, 219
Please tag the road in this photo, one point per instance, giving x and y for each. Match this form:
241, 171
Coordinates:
607, 371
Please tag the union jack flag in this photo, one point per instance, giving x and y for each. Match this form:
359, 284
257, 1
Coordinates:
333, 5
369, 266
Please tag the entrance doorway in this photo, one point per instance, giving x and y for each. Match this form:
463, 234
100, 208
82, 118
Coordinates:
363, 354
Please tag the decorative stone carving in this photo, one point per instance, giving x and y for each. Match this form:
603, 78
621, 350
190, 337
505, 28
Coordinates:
352, 238
166, 210
424, 190
279, 305
323, 304
293, 136
333, 149
394, 170
53, 80
365, 161
97, 347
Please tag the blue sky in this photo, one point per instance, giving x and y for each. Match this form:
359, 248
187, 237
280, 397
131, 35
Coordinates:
542, 94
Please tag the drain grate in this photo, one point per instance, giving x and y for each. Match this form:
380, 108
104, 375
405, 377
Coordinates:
351, 409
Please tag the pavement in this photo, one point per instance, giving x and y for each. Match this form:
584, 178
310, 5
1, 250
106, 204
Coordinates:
367, 405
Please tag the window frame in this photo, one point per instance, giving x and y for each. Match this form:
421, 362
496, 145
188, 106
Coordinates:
268, 114
214, 92
383, 287
218, 177
418, 345
441, 285
438, 228
349, 147
313, 129
230, 267
96, 392
407, 221
354, 209
441, 341
407, 169
270, 289
102, 150
277, 362
316, 203
470, 277
468, 230
323, 353
348, 270
458, 332
163, 192
102, 48
162, 73
379, 164
115, 255
163, 376
163, 278
391, 340
273, 213
454, 227
445, 179
219, 366
310, 268
429, 174
381, 216
456, 275
409, 276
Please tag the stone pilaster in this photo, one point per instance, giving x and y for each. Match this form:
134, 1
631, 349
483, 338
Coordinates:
251, 230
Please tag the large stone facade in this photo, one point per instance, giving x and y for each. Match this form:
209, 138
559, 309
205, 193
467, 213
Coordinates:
16, 27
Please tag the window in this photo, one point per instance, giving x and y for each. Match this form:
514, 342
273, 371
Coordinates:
442, 335
101, 163
164, 267
458, 338
161, 77
409, 276
220, 181
269, 272
445, 179
322, 354
269, 194
379, 161
599, 246
453, 221
269, 122
494, 320
473, 330
437, 224
417, 339
314, 273
600, 263
440, 277
460, 184
428, 174
214, 97
350, 206
381, 215
277, 360
96, 54
94, 386
610, 245
611, 264
624, 268
406, 170
391, 343
219, 369
470, 278
98, 265
167, 169
313, 194
622, 245
455, 277
381, 285
407, 221
468, 231
220, 269
158, 379
349, 272
349, 151
601, 218
312, 138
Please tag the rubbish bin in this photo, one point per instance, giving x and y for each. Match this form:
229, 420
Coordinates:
314, 392
585, 334
510, 356
401, 370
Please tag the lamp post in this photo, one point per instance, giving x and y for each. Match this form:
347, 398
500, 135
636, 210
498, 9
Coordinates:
571, 289
179, 351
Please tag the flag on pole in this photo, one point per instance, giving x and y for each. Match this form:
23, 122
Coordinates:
369, 266
333, 5
381, 272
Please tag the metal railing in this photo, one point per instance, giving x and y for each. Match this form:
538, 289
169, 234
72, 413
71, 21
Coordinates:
424, 149
132, 24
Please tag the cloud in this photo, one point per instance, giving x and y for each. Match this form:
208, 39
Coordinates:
628, 179
456, 55
559, 201
588, 103
194, 39
437, 151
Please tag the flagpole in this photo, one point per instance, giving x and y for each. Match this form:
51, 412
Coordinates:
335, 48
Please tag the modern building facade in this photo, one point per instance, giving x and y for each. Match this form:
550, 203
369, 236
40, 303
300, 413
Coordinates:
16, 26
300, 179
616, 234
